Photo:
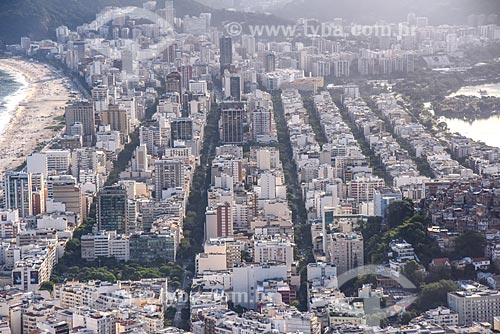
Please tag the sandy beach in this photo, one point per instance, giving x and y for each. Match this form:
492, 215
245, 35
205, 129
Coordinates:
31, 122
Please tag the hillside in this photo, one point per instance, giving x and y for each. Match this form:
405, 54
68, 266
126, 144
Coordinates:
38, 19
367, 11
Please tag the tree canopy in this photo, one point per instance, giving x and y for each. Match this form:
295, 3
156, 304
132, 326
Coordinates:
398, 212
470, 244
434, 294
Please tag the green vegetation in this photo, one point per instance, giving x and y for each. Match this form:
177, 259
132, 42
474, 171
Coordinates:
127, 153
405, 223
39, 19
123, 159
56, 128
315, 120
302, 229
294, 192
469, 244
40, 146
111, 270
47, 286
413, 229
434, 294
424, 85
375, 162
414, 273
351, 287
72, 267
195, 212
410, 226
399, 212
470, 107
422, 165
483, 54
169, 316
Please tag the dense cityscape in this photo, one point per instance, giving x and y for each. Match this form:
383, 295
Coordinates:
169, 174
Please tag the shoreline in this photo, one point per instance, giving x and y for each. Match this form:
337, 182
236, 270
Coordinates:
12, 101
29, 126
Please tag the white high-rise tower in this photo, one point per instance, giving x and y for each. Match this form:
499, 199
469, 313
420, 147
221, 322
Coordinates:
170, 12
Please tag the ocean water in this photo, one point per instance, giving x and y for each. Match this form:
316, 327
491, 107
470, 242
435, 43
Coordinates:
13, 90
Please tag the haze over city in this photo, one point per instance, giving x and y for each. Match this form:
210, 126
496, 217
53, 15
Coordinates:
249, 167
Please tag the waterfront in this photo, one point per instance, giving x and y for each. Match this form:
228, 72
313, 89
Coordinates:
32, 120
485, 130
489, 90
13, 90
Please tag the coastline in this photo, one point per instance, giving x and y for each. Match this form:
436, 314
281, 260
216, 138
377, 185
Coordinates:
12, 101
31, 122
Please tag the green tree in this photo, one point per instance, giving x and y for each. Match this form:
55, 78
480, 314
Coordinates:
47, 286
371, 227
470, 244
170, 315
407, 317
399, 212
434, 294
413, 272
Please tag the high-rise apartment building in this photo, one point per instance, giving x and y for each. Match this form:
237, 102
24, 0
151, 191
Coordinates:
233, 86
226, 53
112, 204
65, 189
261, 122
100, 98
174, 83
181, 129
231, 123
116, 117
18, 193
186, 72
168, 174
345, 250
219, 221
83, 113
170, 12
270, 62
147, 248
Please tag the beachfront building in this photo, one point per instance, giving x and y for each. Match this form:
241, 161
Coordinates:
18, 193
83, 113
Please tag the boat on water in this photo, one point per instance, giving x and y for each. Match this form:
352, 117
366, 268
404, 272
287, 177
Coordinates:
483, 92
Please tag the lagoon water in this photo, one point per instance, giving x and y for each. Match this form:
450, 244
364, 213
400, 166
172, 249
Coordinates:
484, 130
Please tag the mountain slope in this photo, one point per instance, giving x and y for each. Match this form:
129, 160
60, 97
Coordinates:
38, 19
367, 11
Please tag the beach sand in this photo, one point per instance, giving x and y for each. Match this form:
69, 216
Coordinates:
29, 127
